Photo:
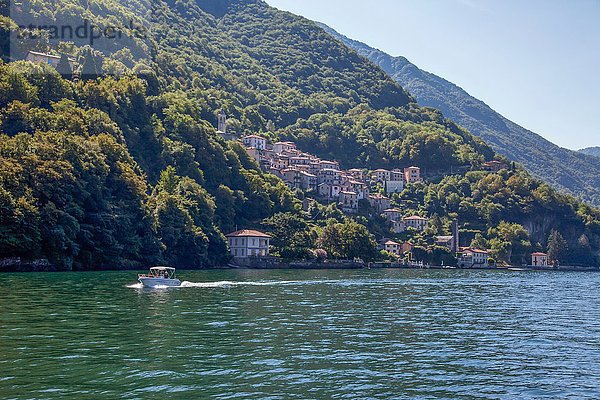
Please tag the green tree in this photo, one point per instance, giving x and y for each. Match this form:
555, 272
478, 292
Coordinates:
291, 235
557, 246
348, 240
510, 242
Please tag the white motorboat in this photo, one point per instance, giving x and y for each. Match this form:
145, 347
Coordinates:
158, 277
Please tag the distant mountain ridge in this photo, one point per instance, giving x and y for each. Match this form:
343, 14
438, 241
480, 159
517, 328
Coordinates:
577, 173
591, 151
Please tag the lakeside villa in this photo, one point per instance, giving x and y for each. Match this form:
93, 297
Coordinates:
248, 243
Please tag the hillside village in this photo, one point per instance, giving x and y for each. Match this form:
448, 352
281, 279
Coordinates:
326, 182
364, 193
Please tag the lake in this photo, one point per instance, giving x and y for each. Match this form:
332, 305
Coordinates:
355, 334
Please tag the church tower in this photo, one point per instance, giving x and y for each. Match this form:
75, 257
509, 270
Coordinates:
455, 237
222, 125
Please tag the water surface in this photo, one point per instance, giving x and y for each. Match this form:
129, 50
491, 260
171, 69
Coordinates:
367, 334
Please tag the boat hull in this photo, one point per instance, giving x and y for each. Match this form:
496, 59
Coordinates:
159, 282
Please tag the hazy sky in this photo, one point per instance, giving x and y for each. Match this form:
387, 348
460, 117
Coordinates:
537, 62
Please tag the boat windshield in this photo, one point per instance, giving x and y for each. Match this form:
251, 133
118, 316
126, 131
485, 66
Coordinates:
162, 272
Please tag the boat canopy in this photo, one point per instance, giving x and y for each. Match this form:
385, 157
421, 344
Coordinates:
162, 269
161, 272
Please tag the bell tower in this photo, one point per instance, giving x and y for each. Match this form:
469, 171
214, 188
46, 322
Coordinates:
222, 124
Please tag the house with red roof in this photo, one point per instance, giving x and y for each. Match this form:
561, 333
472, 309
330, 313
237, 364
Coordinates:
539, 259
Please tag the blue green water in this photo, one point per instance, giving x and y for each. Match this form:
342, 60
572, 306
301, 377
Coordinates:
367, 334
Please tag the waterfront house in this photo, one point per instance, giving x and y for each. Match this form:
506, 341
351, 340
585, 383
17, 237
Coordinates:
247, 243
393, 247
412, 175
539, 259
473, 258
407, 247
255, 141
415, 222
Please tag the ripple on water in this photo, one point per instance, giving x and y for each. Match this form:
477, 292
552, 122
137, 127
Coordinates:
302, 334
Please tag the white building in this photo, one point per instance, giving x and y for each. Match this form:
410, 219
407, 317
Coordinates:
325, 164
381, 175
539, 259
280, 147
379, 202
393, 247
329, 191
473, 258
415, 222
393, 186
329, 175
309, 181
398, 226
248, 243
255, 141
392, 214
349, 201
50, 59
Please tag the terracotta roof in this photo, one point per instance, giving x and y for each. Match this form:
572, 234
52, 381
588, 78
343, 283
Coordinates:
539, 254
391, 242
392, 210
475, 251
248, 233
416, 217
254, 136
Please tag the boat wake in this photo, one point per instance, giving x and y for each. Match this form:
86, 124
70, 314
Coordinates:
219, 284
225, 284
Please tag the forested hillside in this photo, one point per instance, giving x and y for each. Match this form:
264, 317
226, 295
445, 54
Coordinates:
123, 166
567, 170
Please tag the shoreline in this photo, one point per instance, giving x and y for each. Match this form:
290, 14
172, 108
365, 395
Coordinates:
305, 266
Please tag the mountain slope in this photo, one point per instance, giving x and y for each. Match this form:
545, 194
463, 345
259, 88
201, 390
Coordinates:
591, 151
570, 171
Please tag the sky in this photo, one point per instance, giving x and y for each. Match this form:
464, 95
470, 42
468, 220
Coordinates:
537, 62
